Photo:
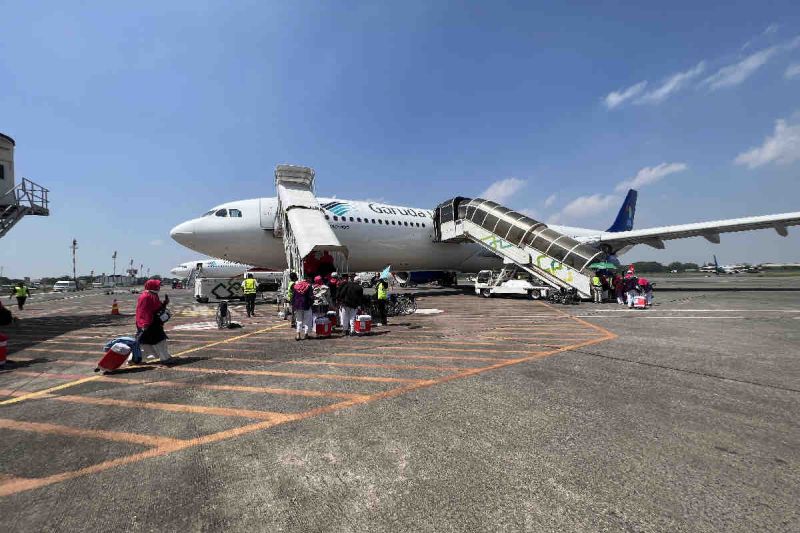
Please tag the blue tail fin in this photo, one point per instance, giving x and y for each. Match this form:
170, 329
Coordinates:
624, 220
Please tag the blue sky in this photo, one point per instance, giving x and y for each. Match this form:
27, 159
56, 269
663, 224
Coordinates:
138, 117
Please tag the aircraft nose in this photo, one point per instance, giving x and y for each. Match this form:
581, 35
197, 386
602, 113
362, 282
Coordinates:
183, 233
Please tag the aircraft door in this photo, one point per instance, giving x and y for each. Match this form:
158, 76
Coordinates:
266, 209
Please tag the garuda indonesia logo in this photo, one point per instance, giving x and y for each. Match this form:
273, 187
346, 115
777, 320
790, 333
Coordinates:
337, 208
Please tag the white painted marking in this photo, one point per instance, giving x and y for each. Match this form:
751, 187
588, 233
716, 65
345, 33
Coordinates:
428, 311
651, 310
195, 326
665, 317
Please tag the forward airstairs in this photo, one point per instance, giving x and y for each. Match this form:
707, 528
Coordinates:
300, 220
556, 259
27, 198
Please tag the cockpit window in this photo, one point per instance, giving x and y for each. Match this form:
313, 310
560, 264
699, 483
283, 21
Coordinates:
222, 213
234, 213
208, 214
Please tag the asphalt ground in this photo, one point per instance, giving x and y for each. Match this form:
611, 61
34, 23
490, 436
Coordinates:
491, 415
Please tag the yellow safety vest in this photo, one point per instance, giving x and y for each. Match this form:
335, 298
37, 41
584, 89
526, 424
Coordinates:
289, 290
596, 281
382, 292
250, 285
20, 291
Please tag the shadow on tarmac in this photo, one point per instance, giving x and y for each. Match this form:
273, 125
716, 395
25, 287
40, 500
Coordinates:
30, 332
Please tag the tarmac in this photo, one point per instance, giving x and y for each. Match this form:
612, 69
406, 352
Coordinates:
475, 414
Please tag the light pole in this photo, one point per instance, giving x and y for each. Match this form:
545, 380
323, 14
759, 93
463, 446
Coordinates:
114, 258
74, 247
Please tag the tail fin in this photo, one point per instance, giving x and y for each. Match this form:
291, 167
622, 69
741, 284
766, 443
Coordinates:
624, 220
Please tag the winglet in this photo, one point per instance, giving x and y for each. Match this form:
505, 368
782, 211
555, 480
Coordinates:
624, 220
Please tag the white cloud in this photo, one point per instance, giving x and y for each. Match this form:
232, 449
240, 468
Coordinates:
672, 84
586, 206
792, 71
782, 147
772, 28
156, 242
648, 175
503, 190
616, 98
550, 200
731, 75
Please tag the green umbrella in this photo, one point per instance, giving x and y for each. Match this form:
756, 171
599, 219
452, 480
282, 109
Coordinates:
603, 265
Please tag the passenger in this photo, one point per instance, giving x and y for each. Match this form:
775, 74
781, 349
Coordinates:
326, 265
382, 294
619, 288
302, 298
630, 288
646, 288
149, 328
311, 265
350, 295
597, 289
249, 288
22, 293
322, 299
287, 305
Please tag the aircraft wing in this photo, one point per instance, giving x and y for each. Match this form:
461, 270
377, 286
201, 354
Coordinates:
655, 237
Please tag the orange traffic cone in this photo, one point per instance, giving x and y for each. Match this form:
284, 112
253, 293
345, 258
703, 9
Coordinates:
114, 308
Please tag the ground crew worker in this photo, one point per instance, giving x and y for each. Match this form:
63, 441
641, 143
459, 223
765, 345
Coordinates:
249, 287
597, 289
22, 293
383, 295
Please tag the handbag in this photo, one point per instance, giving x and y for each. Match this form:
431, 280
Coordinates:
164, 315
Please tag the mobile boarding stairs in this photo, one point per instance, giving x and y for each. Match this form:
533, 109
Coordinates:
300, 221
557, 260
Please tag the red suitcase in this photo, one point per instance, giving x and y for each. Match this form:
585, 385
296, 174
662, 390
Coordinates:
323, 327
114, 357
363, 324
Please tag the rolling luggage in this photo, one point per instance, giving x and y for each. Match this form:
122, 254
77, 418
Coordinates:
322, 327
363, 324
333, 316
640, 302
114, 357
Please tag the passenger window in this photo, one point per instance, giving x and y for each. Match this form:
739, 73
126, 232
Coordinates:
351, 219
327, 217
373, 220
417, 223
335, 218
358, 219
380, 221
423, 224
2, 172
405, 223
235, 213
393, 223
222, 213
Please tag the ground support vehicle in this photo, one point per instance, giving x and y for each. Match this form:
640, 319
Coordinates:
216, 289
509, 282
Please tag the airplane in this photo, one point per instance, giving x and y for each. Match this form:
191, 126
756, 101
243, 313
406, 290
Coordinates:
217, 268
714, 268
377, 234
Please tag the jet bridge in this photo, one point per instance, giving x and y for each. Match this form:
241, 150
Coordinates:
558, 260
300, 220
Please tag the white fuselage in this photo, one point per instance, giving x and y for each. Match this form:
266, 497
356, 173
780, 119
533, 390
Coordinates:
213, 268
376, 235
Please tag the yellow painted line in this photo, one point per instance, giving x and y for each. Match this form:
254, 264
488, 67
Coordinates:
226, 341
44, 392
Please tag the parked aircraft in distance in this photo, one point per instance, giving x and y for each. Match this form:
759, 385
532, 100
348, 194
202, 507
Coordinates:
213, 268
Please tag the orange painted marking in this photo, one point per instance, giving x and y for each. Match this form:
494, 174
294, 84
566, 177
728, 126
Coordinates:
341, 377
429, 357
344, 365
175, 407
54, 429
236, 388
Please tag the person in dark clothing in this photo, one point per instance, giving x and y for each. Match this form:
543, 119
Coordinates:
301, 299
350, 296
